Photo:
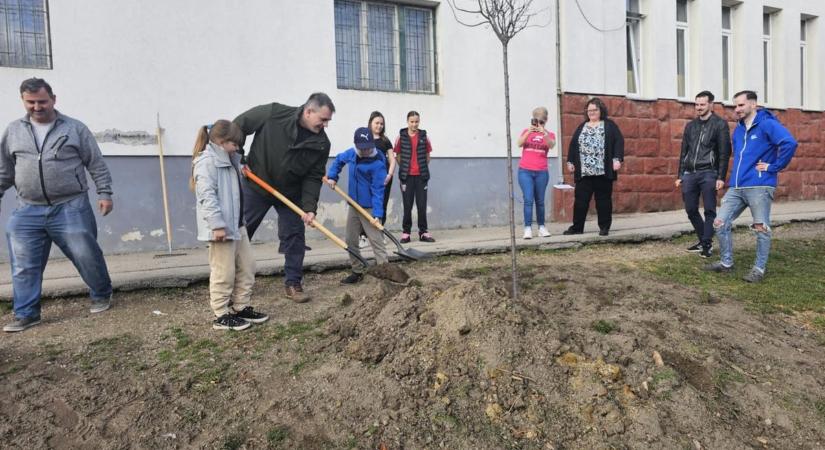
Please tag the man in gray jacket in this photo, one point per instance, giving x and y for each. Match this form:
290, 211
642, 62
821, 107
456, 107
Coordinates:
45, 156
703, 165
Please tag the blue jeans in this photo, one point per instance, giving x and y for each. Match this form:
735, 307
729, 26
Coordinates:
533, 186
30, 233
759, 200
291, 230
704, 184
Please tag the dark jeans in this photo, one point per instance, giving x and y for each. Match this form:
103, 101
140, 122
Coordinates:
414, 189
586, 188
291, 230
700, 183
30, 233
386, 201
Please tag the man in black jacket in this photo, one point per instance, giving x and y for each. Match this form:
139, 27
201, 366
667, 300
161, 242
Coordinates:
703, 165
289, 152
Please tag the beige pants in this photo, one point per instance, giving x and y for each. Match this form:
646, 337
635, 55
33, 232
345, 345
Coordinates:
232, 274
356, 223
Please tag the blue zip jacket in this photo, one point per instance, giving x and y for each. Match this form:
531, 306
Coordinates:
366, 178
767, 141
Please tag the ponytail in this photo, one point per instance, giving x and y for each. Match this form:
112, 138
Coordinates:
200, 144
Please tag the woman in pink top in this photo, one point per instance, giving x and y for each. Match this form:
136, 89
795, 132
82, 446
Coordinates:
533, 176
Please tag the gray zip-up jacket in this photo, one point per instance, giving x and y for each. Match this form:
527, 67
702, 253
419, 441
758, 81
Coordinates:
218, 193
55, 173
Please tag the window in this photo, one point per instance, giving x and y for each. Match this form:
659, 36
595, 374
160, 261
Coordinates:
24, 34
681, 48
634, 62
767, 65
803, 60
384, 47
727, 36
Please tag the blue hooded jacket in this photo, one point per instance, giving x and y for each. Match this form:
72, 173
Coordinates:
366, 178
766, 141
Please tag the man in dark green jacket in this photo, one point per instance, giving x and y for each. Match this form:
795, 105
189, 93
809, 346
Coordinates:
290, 152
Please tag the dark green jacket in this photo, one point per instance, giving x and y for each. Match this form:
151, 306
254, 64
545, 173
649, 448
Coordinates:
295, 171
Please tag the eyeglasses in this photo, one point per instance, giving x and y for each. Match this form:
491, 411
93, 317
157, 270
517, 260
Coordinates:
541, 122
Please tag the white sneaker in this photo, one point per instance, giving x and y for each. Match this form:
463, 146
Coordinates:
543, 231
528, 233
363, 242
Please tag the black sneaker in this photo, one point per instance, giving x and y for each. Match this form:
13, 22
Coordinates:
571, 230
352, 278
250, 315
695, 248
706, 252
230, 322
21, 323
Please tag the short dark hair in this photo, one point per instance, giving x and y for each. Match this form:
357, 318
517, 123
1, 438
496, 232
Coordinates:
34, 85
750, 95
600, 104
318, 100
707, 94
413, 113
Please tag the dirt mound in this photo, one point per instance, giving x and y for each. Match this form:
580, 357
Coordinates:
389, 271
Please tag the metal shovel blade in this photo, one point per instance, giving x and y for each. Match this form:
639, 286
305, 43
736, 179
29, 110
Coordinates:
408, 253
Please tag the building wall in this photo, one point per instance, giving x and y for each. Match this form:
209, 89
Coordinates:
653, 139
118, 66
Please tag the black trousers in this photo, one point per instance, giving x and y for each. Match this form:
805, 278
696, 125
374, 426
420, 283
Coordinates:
602, 188
414, 190
386, 201
704, 184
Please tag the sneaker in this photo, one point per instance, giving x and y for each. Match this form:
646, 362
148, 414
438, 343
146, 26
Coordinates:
230, 321
754, 276
352, 278
571, 230
706, 251
604, 232
98, 306
528, 233
405, 238
543, 232
695, 248
718, 267
250, 315
426, 237
21, 323
296, 294
363, 242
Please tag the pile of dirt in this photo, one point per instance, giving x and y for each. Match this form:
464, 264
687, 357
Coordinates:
446, 360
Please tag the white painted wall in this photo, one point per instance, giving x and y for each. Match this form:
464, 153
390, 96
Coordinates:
595, 61
119, 63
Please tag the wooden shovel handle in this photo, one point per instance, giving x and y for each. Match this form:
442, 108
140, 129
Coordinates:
293, 207
355, 205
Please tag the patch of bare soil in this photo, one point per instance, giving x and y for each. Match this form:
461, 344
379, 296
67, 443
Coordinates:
447, 360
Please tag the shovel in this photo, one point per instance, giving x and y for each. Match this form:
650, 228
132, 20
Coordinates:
409, 253
301, 213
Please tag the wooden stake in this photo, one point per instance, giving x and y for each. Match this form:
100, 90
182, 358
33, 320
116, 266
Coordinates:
163, 189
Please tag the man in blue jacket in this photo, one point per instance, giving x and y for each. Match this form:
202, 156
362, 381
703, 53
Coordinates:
762, 147
367, 171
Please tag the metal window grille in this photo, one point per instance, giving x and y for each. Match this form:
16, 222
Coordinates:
383, 46
24, 34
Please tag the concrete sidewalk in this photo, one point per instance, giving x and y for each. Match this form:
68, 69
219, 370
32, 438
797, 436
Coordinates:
147, 270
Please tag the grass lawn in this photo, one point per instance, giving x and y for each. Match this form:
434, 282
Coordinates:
795, 280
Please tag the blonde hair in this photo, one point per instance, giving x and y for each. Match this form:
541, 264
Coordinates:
540, 113
221, 131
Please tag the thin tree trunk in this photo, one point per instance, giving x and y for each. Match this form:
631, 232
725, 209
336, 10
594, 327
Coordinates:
510, 174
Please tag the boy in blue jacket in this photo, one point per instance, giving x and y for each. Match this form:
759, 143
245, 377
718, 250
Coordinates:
762, 147
367, 171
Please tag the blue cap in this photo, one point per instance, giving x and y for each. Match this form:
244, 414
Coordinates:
363, 139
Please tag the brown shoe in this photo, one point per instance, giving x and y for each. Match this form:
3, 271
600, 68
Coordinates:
296, 294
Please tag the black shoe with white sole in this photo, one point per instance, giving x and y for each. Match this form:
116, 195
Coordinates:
706, 252
250, 315
230, 322
695, 248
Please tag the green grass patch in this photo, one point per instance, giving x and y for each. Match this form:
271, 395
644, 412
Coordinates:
199, 362
662, 376
470, 273
6, 307
277, 435
793, 281
725, 377
233, 442
446, 420
819, 405
819, 323
605, 326
119, 352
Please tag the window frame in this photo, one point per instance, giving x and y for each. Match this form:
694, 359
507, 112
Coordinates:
727, 63
684, 27
47, 41
803, 62
400, 71
633, 32
767, 58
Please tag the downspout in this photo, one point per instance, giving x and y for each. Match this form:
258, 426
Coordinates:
560, 134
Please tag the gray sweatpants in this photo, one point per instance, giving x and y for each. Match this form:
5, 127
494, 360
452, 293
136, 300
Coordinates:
356, 223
